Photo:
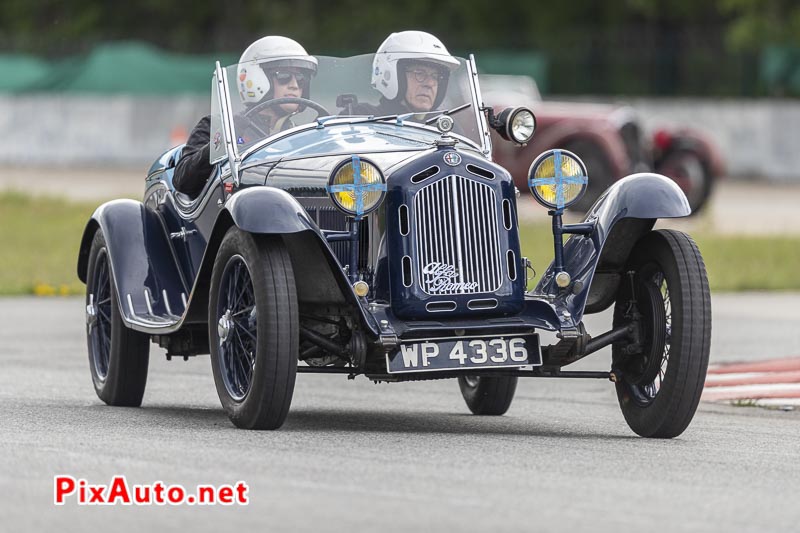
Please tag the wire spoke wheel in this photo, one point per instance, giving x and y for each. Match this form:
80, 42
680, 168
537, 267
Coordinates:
237, 358
99, 316
645, 384
663, 377
253, 329
118, 356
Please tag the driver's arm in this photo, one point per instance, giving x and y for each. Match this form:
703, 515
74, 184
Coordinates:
193, 168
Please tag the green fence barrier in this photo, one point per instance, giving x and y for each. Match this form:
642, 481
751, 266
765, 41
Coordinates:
123, 67
142, 69
21, 72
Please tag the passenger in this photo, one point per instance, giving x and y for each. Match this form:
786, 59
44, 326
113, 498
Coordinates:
410, 70
284, 70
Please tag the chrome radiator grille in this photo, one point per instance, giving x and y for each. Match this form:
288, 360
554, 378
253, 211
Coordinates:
457, 237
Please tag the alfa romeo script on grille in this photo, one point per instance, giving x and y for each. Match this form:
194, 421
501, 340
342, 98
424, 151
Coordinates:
448, 354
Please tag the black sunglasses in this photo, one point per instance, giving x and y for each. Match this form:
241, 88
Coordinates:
284, 77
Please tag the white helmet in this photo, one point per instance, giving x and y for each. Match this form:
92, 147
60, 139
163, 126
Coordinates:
267, 53
405, 46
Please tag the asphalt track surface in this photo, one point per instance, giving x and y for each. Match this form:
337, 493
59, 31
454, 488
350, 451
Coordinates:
355, 456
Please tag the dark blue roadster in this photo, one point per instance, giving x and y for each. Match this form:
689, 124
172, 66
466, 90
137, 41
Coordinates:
388, 246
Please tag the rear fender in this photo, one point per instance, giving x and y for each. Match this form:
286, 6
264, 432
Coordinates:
144, 270
624, 213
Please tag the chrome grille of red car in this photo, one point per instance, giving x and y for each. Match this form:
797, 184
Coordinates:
457, 237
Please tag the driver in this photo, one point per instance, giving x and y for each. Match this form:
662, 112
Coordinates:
410, 70
272, 67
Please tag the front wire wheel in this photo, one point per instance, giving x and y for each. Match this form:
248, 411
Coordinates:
237, 328
253, 329
663, 378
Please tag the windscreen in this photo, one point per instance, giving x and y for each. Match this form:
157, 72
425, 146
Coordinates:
268, 99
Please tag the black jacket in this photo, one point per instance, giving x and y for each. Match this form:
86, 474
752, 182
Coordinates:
194, 169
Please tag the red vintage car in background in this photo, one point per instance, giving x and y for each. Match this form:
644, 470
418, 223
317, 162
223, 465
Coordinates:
607, 137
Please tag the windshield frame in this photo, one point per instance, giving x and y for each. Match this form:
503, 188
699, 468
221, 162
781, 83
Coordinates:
224, 101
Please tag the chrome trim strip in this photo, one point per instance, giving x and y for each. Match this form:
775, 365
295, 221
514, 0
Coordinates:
403, 207
166, 301
227, 122
478, 105
470, 166
147, 301
429, 305
476, 304
507, 205
511, 259
410, 268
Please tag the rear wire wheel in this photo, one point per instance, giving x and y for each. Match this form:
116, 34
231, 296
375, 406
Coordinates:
488, 395
118, 355
662, 379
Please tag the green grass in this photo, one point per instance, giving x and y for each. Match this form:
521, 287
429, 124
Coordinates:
39, 239
734, 263
737, 263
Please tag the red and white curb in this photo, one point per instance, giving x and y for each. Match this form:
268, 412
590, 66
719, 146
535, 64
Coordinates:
771, 383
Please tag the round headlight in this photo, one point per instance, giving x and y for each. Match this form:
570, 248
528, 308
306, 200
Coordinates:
516, 124
522, 126
557, 179
356, 186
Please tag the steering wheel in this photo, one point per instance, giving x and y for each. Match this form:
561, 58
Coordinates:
321, 111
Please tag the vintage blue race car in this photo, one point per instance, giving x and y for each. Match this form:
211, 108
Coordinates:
388, 246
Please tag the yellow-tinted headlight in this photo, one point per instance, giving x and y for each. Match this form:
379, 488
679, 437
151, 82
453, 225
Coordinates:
557, 178
356, 186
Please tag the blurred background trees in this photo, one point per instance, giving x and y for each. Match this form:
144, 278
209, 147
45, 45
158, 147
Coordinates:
629, 47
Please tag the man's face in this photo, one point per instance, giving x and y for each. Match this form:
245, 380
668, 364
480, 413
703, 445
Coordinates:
288, 82
422, 84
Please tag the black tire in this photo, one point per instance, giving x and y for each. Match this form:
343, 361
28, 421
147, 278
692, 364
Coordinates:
118, 355
692, 175
487, 395
599, 169
659, 400
253, 329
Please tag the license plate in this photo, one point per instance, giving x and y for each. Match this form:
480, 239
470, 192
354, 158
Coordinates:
453, 354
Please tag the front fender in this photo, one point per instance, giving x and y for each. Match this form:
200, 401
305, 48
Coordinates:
266, 210
595, 262
148, 282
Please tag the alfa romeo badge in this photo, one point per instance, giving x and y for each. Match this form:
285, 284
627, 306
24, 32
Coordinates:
452, 158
